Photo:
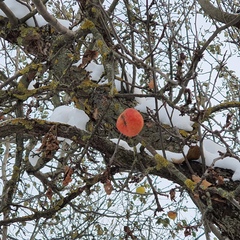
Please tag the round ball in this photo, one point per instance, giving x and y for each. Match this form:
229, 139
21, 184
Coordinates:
130, 122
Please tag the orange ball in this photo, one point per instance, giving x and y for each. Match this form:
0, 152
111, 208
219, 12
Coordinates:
130, 122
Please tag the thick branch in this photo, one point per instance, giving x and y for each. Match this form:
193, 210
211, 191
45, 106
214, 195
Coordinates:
13, 20
52, 20
48, 213
221, 106
123, 159
219, 15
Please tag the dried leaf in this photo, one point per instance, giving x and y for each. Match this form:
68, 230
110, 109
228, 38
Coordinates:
217, 199
149, 124
172, 194
2, 117
228, 120
194, 153
88, 56
50, 144
220, 180
204, 183
172, 215
196, 195
188, 96
196, 178
108, 187
151, 84
95, 114
49, 193
67, 175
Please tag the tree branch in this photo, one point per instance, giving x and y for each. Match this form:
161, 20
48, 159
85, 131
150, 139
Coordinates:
51, 20
48, 213
13, 20
219, 15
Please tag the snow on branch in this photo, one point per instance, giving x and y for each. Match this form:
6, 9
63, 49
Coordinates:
52, 20
15, 10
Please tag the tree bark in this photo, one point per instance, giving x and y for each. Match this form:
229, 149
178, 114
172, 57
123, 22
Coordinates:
218, 15
219, 204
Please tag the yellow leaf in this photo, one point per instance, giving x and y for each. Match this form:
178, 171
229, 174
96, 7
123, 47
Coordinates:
140, 190
172, 215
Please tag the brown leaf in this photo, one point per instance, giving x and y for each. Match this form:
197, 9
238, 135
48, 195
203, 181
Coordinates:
49, 193
151, 84
108, 187
88, 56
50, 144
196, 196
217, 199
204, 183
172, 194
172, 215
149, 124
188, 96
194, 153
228, 120
67, 175
95, 114
2, 117
220, 180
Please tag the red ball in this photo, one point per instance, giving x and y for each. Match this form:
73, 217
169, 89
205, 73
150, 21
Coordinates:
130, 122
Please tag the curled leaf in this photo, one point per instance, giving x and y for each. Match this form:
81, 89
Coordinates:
172, 215
151, 84
172, 194
88, 56
49, 193
194, 153
108, 187
67, 175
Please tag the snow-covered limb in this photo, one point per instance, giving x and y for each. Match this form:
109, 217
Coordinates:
210, 150
167, 114
52, 20
70, 115
123, 144
21, 10
62, 114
